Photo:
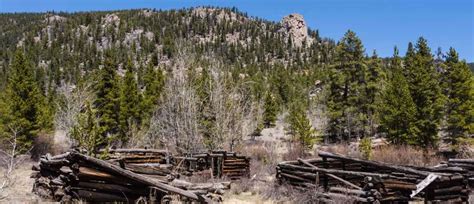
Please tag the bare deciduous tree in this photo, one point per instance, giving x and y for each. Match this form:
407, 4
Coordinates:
9, 158
175, 123
235, 113
72, 101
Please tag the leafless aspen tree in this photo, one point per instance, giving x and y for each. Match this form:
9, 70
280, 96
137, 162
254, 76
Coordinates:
175, 123
9, 158
72, 101
234, 112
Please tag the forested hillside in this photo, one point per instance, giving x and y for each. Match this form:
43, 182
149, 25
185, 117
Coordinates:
206, 78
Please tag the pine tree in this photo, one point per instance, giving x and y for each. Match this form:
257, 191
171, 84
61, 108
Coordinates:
423, 81
86, 133
154, 82
130, 99
374, 82
460, 99
397, 109
23, 102
270, 110
107, 99
300, 126
345, 101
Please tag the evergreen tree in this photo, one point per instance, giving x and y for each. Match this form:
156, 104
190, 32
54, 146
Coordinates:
460, 99
130, 100
107, 99
397, 109
270, 110
300, 126
374, 82
424, 85
24, 101
154, 82
87, 133
346, 87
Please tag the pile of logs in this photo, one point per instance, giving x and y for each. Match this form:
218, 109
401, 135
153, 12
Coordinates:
390, 183
152, 162
74, 176
465, 166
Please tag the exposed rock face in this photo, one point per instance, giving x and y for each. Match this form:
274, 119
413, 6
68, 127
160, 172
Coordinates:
54, 18
295, 27
111, 19
221, 15
147, 12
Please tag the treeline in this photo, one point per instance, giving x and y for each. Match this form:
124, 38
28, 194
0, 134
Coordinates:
185, 85
413, 99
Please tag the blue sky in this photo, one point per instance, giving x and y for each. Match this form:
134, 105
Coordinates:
381, 24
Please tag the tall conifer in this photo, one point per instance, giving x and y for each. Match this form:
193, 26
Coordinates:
397, 110
460, 98
130, 100
424, 85
23, 100
346, 90
107, 101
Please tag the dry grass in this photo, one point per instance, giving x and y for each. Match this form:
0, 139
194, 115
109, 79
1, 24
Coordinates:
342, 148
406, 155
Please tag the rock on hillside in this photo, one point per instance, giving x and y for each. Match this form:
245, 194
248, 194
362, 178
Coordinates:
295, 27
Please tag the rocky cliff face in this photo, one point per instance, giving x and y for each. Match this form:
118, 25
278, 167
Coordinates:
294, 27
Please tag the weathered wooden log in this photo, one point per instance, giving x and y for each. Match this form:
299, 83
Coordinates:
348, 197
148, 170
60, 156
399, 186
100, 196
139, 178
468, 161
349, 191
448, 190
58, 162
114, 188
137, 151
332, 171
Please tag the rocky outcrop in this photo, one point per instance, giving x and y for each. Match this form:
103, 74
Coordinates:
294, 27
54, 18
220, 14
111, 19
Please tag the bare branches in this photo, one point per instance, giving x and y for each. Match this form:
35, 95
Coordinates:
9, 158
175, 123
72, 101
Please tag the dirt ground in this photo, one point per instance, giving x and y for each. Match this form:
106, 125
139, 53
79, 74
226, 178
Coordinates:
19, 191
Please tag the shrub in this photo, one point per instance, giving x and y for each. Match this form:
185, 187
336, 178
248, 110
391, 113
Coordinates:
365, 148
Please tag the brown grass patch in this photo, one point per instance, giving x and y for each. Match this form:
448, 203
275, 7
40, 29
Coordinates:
406, 155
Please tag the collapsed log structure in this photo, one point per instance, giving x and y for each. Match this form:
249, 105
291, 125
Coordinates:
73, 175
463, 166
222, 164
390, 183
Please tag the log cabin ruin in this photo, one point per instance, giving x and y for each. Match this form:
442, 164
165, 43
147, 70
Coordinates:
155, 176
